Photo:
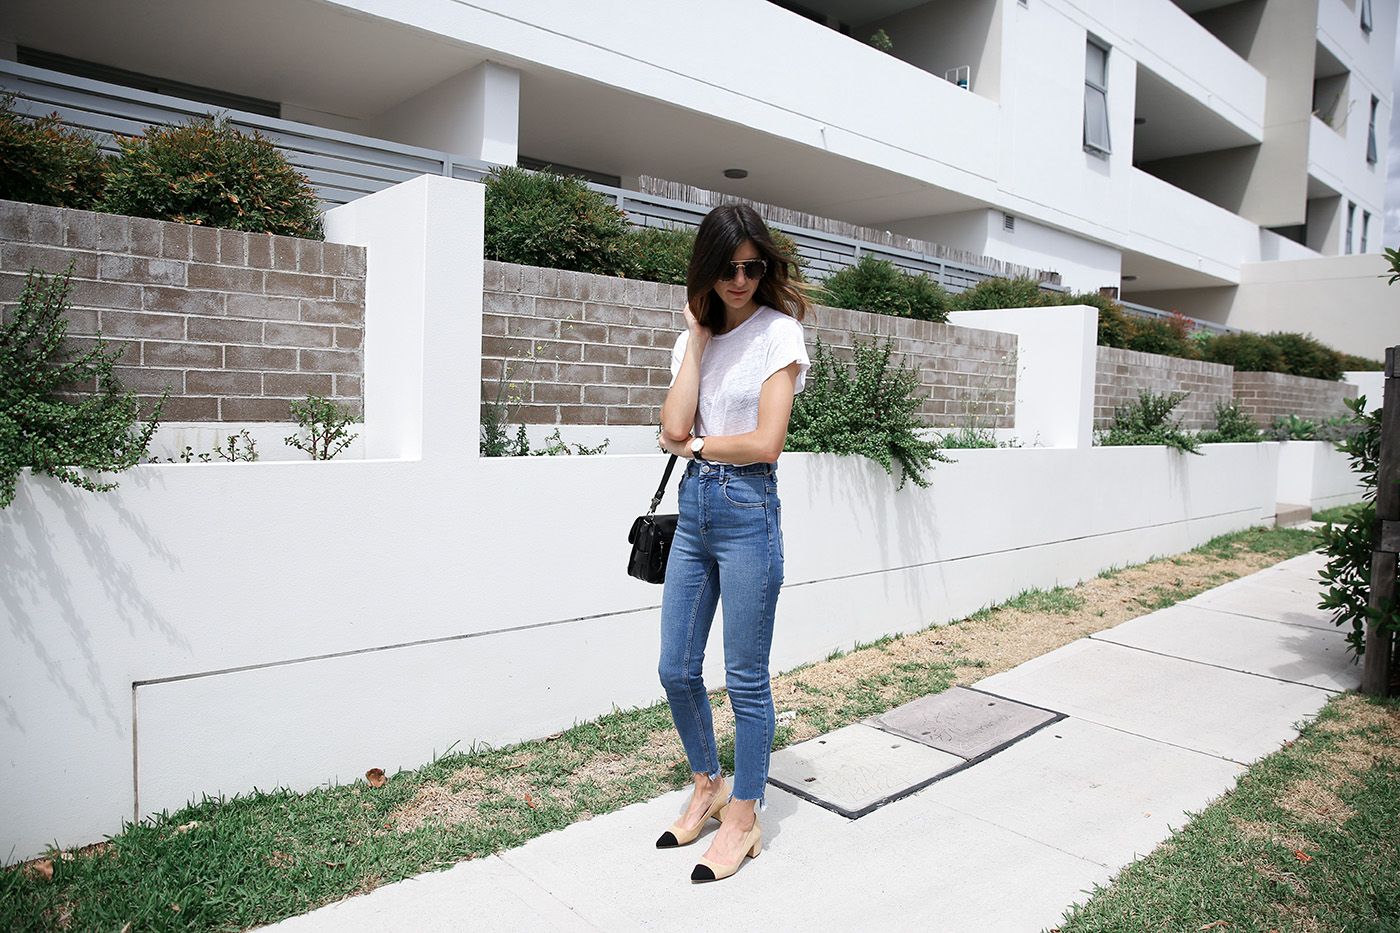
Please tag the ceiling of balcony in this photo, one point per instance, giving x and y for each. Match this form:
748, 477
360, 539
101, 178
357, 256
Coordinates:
853, 12
1173, 123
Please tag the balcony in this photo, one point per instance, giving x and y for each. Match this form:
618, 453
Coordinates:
1204, 244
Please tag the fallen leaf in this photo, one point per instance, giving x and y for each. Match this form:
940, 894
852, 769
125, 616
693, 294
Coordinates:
43, 868
1302, 856
175, 907
334, 864
193, 824
530, 802
375, 777
551, 738
1218, 923
126, 928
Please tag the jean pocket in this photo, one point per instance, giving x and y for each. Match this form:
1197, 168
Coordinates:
746, 492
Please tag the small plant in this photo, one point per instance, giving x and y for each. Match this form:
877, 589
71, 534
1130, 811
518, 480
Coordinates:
1292, 428
1148, 422
554, 446
238, 447
869, 408
325, 428
41, 430
1165, 336
879, 286
556, 221
1232, 426
881, 40
1392, 256
970, 437
1349, 544
1247, 353
42, 161
209, 173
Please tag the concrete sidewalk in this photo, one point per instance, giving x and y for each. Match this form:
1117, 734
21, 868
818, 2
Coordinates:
1162, 714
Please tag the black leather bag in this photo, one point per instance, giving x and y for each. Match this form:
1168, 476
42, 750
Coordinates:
651, 536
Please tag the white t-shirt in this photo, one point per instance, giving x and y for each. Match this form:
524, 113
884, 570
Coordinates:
735, 365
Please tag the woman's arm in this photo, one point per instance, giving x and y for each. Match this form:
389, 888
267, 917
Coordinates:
761, 445
678, 411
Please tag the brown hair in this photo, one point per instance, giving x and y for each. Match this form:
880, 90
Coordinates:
723, 231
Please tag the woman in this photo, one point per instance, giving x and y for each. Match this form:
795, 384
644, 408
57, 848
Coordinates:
734, 373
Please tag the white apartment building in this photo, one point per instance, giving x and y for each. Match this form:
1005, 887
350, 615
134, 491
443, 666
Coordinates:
1222, 159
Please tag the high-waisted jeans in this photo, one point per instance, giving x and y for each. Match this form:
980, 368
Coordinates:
729, 541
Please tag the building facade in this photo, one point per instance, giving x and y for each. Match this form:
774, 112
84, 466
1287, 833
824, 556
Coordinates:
1222, 159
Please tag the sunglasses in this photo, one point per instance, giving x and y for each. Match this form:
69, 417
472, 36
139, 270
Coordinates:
753, 269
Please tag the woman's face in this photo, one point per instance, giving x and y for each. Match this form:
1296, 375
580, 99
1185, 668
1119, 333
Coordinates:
738, 293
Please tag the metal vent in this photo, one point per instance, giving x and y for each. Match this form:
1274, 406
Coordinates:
1008, 222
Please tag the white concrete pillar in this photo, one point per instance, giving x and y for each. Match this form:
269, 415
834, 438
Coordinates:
474, 114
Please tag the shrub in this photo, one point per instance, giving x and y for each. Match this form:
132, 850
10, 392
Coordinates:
868, 408
1248, 353
1304, 356
324, 427
1232, 426
879, 286
47, 433
1349, 546
209, 173
1169, 337
1115, 328
661, 254
1004, 293
44, 162
1360, 364
1148, 421
556, 221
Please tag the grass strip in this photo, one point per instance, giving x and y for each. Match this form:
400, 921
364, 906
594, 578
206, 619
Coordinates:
1308, 840
230, 864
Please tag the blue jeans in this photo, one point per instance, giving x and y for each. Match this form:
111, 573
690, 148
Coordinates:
728, 540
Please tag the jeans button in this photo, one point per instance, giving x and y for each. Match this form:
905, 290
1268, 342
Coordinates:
705, 468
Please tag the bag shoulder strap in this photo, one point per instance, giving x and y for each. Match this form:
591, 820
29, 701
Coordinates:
661, 490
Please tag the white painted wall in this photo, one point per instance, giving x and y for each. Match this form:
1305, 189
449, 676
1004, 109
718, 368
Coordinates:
1312, 473
1343, 301
1369, 384
474, 114
1056, 359
1084, 265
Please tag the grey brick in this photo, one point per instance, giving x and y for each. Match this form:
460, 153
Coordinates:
175, 241
93, 294
330, 312
183, 300
141, 324
604, 353
145, 236
298, 335
227, 278
147, 381
19, 257
224, 330
355, 257
220, 382
260, 358
348, 386
350, 289
298, 385
259, 250
233, 247
296, 285
263, 307
14, 221
80, 229
46, 225
255, 409
155, 353
177, 409
309, 256
349, 338
330, 361
204, 244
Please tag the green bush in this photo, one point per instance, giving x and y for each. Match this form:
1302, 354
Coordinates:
209, 173
661, 254
1168, 337
44, 162
1232, 426
45, 432
1304, 356
1360, 364
1148, 422
879, 286
1115, 328
555, 221
868, 407
1004, 293
1248, 353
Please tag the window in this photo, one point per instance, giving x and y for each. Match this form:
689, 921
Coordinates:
1371, 155
1365, 225
1351, 222
1096, 98
1367, 21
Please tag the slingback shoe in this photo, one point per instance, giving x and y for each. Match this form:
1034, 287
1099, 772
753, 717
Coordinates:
678, 835
707, 870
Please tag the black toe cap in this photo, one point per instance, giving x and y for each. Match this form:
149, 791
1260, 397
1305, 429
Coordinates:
667, 841
702, 873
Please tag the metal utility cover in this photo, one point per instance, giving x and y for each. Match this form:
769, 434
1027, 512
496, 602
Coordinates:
857, 769
963, 722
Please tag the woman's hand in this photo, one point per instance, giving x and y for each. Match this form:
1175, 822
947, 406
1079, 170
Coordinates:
679, 448
698, 332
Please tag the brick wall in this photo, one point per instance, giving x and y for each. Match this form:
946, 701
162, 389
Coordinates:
573, 348
1122, 374
239, 325
1265, 396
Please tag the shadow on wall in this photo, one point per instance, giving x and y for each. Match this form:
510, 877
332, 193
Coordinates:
32, 564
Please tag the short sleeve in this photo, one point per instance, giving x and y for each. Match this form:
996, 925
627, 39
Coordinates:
785, 346
678, 355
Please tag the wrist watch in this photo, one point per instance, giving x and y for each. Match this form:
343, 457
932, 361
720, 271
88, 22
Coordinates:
697, 445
